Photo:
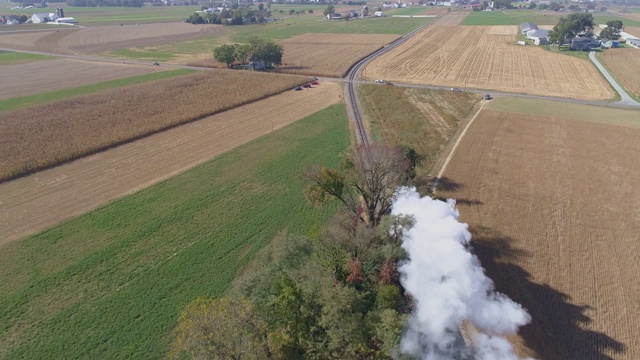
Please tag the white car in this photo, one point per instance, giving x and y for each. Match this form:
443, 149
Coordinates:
380, 81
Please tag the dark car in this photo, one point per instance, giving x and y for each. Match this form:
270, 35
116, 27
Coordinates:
155, 63
487, 97
298, 88
306, 86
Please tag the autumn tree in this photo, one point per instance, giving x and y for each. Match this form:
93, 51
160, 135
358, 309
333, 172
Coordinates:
224, 328
366, 184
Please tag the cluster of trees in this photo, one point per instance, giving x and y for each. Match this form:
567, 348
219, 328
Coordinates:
612, 31
335, 294
96, 3
258, 51
576, 24
239, 16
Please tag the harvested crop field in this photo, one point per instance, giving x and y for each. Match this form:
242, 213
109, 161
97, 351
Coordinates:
83, 125
105, 38
625, 64
635, 31
328, 54
37, 77
453, 19
40, 200
554, 207
470, 57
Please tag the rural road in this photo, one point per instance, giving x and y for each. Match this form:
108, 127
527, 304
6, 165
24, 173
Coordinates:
625, 98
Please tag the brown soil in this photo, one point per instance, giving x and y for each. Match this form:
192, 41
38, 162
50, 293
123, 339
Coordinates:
554, 205
38, 77
104, 38
469, 56
328, 54
452, 19
625, 64
35, 202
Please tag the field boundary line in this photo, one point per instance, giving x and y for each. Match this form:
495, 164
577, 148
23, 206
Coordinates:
455, 146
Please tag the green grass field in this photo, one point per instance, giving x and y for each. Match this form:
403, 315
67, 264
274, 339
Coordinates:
279, 30
8, 57
29, 100
625, 117
510, 17
602, 19
110, 284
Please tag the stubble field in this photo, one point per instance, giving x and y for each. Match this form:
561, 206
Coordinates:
475, 57
553, 202
625, 64
328, 54
87, 124
42, 76
104, 38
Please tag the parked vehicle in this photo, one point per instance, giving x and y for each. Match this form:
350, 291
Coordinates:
298, 88
380, 81
156, 63
487, 97
314, 83
306, 86
456, 89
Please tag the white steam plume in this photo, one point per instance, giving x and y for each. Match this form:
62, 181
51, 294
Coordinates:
449, 287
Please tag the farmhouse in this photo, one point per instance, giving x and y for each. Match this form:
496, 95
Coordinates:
580, 43
539, 37
527, 26
40, 18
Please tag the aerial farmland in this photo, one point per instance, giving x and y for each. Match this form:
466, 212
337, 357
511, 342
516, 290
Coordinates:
143, 176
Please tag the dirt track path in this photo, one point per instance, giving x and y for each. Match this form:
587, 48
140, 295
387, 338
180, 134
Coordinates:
33, 203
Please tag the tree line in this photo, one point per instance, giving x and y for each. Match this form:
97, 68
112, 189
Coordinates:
334, 294
260, 52
238, 16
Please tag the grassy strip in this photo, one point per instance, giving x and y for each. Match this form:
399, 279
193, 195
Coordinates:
22, 101
422, 119
110, 284
8, 57
598, 114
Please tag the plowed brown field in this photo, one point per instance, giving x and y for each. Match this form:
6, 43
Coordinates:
328, 54
37, 77
469, 56
554, 204
32, 203
625, 64
104, 38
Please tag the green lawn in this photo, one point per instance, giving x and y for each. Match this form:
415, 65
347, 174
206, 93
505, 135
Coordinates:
407, 11
510, 17
29, 100
8, 57
110, 284
602, 19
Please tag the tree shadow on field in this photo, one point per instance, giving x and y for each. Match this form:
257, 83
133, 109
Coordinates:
555, 330
447, 185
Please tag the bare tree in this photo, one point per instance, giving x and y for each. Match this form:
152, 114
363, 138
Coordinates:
366, 184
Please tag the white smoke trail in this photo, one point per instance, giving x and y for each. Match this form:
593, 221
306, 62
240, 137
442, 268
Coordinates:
449, 286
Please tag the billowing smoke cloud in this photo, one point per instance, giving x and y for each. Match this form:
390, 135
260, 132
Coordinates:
450, 288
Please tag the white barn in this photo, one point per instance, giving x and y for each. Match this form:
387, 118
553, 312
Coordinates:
539, 37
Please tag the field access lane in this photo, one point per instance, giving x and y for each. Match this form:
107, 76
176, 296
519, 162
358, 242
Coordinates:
33, 203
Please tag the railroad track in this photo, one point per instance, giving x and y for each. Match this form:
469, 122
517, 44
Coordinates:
362, 135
